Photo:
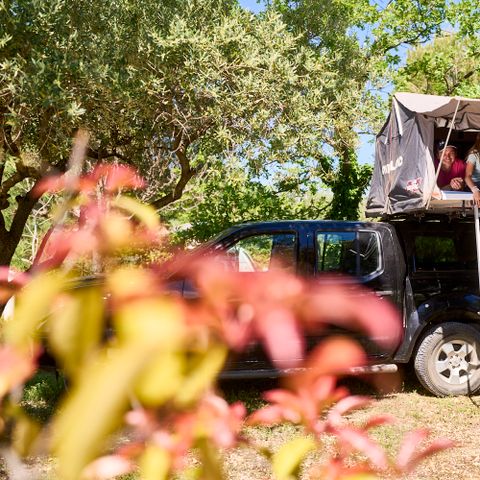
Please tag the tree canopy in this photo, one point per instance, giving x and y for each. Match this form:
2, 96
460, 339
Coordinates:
178, 87
168, 87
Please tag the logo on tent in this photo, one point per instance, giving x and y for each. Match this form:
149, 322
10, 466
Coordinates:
392, 166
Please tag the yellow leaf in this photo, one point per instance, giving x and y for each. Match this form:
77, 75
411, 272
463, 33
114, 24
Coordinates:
161, 378
287, 460
150, 321
145, 213
129, 281
24, 434
154, 463
76, 327
212, 469
203, 374
94, 407
31, 308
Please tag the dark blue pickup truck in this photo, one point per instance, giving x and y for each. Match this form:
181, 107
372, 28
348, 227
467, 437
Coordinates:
427, 267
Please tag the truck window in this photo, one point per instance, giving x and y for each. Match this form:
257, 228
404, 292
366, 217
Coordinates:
262, 253
352, 253
443, 253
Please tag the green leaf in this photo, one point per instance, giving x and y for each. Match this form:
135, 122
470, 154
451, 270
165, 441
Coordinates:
287, 460
161, 379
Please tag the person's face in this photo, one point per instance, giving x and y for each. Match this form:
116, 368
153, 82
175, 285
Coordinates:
448, 158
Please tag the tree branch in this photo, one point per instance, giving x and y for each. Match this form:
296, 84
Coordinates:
186, 173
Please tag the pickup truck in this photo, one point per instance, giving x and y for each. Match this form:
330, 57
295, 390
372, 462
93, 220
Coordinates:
425, 266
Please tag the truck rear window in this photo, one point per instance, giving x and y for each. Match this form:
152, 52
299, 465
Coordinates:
443, 253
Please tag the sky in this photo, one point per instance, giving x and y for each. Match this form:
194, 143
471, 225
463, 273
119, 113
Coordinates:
366, 152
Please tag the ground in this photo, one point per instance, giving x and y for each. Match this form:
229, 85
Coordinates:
457, 418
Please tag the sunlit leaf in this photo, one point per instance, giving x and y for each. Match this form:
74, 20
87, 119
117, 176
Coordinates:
25, 433
32, 306
210, 461
151, 321
161, 379
146, 214
287, 460
361, 442
203, 372
76, 327
95, 406
104, 468
155, 463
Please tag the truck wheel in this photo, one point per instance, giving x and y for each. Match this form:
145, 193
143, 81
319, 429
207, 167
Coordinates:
447, 359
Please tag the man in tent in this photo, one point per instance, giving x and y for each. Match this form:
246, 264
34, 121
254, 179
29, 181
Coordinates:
452, 170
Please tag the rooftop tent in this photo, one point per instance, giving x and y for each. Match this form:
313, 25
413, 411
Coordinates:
404, 176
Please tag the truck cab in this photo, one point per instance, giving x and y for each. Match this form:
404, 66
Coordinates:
425, 266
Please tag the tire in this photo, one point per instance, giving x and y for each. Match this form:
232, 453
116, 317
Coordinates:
447, 360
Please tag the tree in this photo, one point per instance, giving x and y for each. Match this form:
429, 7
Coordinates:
229, 195
167, 86
447, 66
361, 41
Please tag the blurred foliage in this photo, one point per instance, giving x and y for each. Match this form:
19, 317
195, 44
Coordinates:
142, 361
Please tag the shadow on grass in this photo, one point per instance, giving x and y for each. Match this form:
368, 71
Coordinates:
42, 393
250, 392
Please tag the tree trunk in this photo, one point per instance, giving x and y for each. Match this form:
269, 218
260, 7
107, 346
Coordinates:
9, 239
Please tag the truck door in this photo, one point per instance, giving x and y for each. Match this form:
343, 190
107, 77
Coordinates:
352, 257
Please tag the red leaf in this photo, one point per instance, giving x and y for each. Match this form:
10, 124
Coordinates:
117, 177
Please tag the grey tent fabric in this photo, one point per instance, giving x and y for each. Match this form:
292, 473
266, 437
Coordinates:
404, 174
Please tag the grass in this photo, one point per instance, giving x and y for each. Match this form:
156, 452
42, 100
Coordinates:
457, 418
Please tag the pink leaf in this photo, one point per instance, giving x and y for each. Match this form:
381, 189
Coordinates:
410, 454
266, 416
118, 177
361, 442
107, 467
378, 421
282, 337
409, 446
346, 405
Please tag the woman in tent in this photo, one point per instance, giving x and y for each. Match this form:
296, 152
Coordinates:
472, 174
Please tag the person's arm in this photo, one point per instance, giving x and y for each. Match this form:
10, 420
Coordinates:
470, 183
